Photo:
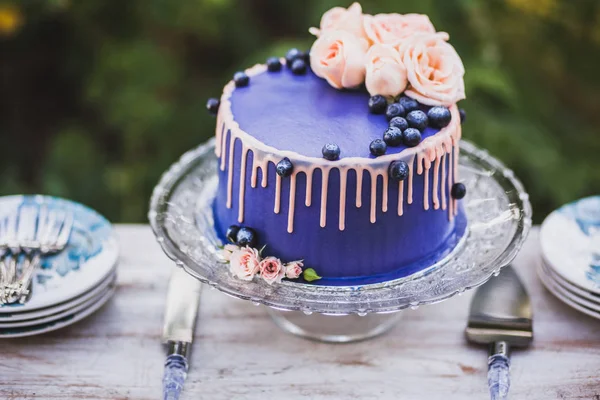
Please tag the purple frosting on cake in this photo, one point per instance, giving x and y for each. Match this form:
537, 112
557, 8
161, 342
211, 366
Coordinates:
299, 114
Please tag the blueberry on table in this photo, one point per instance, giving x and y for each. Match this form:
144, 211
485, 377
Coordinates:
378, 147
291, 55
408, 103
331, 151
212, 105
232, 233
411, 137
241, 79
394, 110
284, 168
274, 64
377, 104
246, 237
398, 170
463, 115
417, 119
439, 117
399, 122
392, 136
298, 66
458, 191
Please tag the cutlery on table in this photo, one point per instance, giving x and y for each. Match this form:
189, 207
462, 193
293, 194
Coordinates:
183, 301
501, 317
26, 237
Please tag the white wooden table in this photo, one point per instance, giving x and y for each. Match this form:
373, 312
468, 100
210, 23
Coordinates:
240, 354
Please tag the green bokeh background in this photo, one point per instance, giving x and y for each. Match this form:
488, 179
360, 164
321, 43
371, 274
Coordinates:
99, 97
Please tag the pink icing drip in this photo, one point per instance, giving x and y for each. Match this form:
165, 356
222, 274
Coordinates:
433, 149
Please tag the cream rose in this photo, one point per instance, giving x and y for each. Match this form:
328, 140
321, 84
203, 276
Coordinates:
385, 72
434, 69
293, 269
271, 270
392, 29
341, 19
244, 263
339, 57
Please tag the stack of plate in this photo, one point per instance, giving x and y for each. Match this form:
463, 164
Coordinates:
70, 285
570, 242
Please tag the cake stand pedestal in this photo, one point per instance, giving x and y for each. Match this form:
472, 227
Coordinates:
498, 211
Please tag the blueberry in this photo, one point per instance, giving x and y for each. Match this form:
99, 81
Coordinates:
458, 191
398, 170
439, 117
378, 147
241, 79
399, 122
408, 103
232, 233
392, 136
377, 104
411, 137
417, 119
463, 115
298, 66
291, 55
273, 64
246, 237
306, 57
394, 110
212, 105
284, 168
331, 151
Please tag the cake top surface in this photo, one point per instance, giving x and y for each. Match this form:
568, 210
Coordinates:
303, 112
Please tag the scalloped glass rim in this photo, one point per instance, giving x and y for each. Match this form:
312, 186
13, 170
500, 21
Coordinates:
497, 206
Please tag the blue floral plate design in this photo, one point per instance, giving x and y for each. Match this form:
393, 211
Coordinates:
570, 242
91, 255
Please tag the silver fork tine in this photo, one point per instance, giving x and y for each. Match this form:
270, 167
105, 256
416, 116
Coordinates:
65, 232
46, 235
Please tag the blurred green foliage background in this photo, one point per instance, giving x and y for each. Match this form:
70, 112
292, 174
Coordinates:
99, 97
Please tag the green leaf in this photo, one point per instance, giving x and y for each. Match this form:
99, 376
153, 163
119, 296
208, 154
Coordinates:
310, 275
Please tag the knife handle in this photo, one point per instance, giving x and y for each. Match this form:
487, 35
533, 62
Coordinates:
498, 371
176, 368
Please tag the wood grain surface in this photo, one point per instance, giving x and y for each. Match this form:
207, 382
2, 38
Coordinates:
240, 354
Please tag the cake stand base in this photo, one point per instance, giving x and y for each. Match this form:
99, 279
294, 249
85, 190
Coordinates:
334, 328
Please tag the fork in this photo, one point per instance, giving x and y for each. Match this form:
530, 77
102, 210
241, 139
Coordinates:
40, 232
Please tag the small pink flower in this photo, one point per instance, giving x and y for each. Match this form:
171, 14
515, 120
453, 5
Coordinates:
244, 263
392, 29
434, 69
341, 19
271, 270
339, 57
386, 74
293, 269
227, 250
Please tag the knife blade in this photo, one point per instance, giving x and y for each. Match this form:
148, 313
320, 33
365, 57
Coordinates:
501, 317
183, 301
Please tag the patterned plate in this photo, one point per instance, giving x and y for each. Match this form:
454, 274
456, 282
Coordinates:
578, 292
566, 297
570, 241
48, 311
89, 258
60, 323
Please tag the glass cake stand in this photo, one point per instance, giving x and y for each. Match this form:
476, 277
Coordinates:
498, 211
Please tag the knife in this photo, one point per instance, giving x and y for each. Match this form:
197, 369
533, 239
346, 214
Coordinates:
500, 317
183, 301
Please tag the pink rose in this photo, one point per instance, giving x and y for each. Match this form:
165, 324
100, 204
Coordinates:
340, 19
293, 269
271, 270
244, 263
392, 29
386, 74
339, 57
434, 69
227, 250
